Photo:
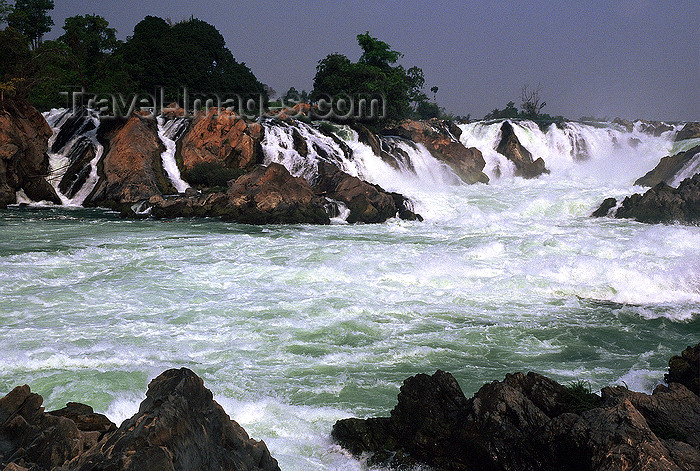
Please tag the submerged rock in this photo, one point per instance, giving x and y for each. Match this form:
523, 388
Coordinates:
529, 422
24, 164
510, 146
441, 138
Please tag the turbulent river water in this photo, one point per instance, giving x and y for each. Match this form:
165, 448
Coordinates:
295, 327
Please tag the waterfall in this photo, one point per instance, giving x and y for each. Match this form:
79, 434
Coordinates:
169, 132
74, 152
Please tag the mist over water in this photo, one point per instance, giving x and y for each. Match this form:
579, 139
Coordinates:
295, 327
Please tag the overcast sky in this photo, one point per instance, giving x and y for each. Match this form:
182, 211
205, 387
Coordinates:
626, 58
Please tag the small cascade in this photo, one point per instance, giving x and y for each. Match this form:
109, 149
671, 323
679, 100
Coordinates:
74, 152
688, 170
299, 147
169, 132
605, 152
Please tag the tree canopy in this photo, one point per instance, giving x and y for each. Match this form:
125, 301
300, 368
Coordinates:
373, 75
31, 18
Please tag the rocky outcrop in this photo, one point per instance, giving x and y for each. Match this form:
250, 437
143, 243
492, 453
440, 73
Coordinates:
31, 438
223, 138
441, 138
689, 131
668, 168
367, 203
660, 204
179, 427
131, 169
266, 195
513, 150
685, 369
24, 163
529, 422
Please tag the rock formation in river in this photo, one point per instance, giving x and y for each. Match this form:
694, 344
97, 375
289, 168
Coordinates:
689, 131
24, 163
668, 168
179, 427
441, 138
660, 204
528, 422
510, 146
131, 169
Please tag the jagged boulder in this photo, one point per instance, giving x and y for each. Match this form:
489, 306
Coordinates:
265, 195
665, 204
689, 131
24, 164
685, 369
513, 150
668, 168
528, 422
131, 169
441, 138
31, 438
366, 202
179, 427
223, 138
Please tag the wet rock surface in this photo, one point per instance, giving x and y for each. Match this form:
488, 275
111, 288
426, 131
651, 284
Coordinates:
526, 165
530, 422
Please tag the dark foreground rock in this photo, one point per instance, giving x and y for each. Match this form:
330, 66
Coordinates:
685, 369
179, 427
660, 204
529, 422
525, 165
24, 163
668, 168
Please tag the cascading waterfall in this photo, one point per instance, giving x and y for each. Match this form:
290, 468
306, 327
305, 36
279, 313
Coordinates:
73, 142
169, 132
604, 153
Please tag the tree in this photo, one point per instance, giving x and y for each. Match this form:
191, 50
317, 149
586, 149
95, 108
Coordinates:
17, 69
531, 102
90, 41
434, 90
32, 19
374, 75
5, 10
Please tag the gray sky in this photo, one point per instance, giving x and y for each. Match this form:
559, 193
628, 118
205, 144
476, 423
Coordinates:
626, 58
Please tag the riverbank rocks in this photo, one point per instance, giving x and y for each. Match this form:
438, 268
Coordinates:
441, 138
668, 168
660, 204
513, 150
265, 195
24, 163
179, 427
528, 422
130, 170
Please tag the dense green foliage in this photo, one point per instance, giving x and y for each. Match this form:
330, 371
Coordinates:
31, 18
190, 54
373, 75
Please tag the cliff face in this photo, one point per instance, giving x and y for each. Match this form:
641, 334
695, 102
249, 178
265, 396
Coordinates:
24, 163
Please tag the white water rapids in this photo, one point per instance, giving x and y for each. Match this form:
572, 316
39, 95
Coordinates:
294, 327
